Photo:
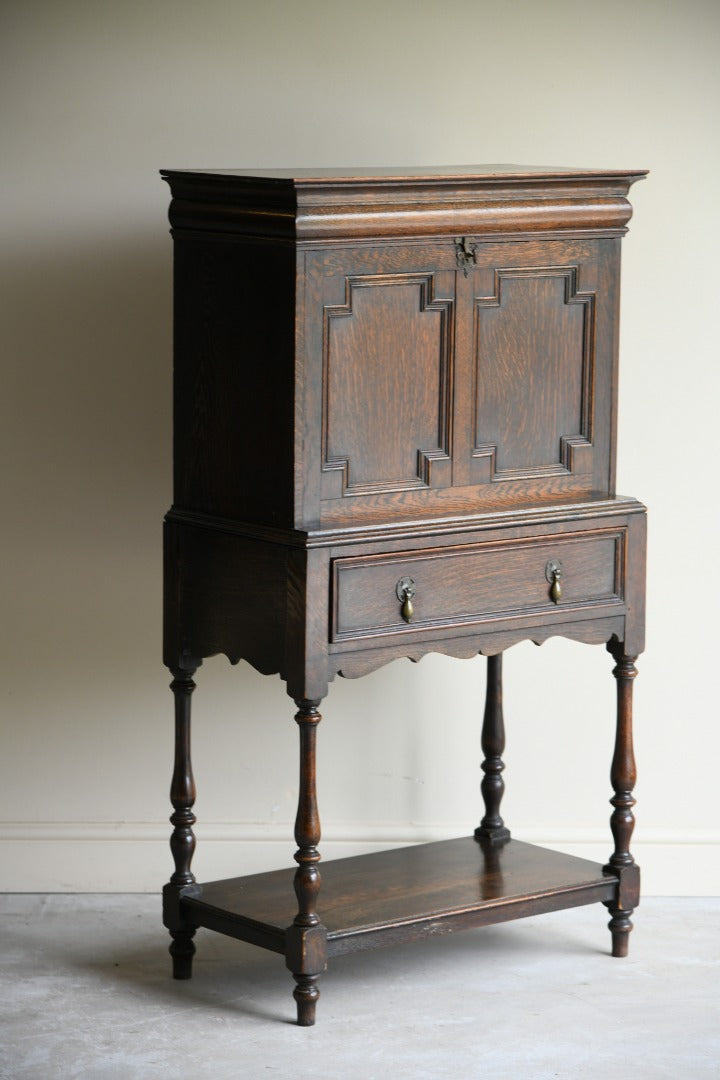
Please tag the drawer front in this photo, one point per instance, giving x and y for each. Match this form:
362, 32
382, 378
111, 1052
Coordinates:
475, 583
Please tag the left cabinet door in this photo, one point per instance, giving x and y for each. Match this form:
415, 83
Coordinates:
379, 376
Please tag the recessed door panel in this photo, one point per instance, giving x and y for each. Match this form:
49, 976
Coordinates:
541, 373
387, 409
534, 349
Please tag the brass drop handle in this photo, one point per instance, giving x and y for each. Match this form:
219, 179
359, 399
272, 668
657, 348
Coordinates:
405, 591
553, 574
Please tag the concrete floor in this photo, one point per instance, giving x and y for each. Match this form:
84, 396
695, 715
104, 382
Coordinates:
85, 993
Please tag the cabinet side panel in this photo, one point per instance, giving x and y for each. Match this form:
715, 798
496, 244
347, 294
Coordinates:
634, 642
234, 354
224, 593
608, 337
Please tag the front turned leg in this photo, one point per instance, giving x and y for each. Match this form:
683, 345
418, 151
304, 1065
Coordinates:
622, 821
306, 939
182, 841
492, 826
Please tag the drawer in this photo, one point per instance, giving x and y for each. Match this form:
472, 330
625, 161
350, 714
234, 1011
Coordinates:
455, 585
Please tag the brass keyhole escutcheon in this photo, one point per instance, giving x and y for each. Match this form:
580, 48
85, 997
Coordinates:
405, 591
553, 574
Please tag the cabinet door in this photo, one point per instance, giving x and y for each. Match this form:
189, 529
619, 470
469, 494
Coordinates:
380, 372
454, 377
544, 318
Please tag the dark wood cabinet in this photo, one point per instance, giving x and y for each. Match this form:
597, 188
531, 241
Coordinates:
395, 415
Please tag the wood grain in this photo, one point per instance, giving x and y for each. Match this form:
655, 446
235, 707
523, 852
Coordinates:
333, 204
409, 893
389, 348
532, 369
384, 375
468, 584
492, 827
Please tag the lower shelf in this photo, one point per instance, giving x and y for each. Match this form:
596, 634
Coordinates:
405, 894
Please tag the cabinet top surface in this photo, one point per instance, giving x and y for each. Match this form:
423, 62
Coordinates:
416, 173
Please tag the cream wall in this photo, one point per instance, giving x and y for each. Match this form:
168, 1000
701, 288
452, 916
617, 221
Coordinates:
95, 98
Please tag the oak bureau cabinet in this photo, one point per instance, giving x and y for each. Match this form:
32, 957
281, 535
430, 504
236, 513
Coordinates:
395, 414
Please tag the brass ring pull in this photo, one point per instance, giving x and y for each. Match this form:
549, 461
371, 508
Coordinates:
553, 574
405, 591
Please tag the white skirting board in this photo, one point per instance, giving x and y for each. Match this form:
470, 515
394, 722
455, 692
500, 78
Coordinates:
135, 857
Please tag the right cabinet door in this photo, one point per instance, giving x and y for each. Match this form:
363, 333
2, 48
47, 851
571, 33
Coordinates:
540, 323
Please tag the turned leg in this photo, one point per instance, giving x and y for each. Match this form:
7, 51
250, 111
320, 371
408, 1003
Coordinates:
182, 841
622, 821
306, 951
492, 826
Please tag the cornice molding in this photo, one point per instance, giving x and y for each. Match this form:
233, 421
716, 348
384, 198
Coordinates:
477, 204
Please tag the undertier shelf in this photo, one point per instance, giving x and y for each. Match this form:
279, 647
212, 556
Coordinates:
404, 894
